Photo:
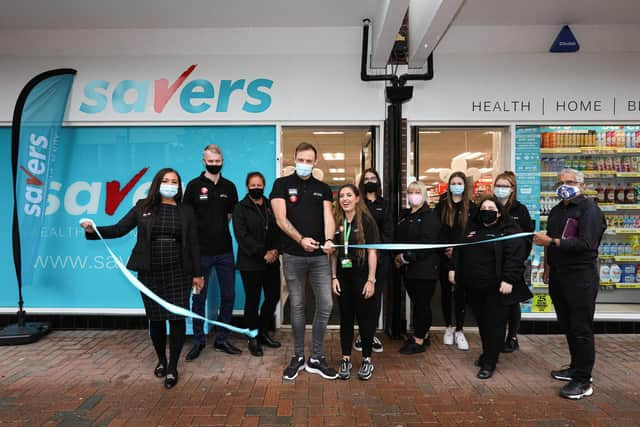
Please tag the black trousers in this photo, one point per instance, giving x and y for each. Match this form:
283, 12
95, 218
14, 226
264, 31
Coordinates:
574, 298
353, 305
254, 283
514, 320
491, 315
451, 293
420, 292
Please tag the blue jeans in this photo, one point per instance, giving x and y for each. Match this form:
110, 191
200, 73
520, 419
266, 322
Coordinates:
316, 269
225, 270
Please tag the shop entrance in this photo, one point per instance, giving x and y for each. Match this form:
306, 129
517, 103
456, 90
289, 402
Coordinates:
480, 152
343, 153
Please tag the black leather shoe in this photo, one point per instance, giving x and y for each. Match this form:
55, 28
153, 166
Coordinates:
255, 348
485, 373
194, 352
171, 379
160, 370
227, 347
265, 339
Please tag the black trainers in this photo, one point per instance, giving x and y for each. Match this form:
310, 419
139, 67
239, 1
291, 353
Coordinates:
510, 345
412, 347
320, 367
576, 390
357, 344
377, 347
366, 369
295, 366
344, 373
565, 374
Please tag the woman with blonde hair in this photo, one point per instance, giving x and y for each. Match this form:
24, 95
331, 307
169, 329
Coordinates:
418, 224
354, 277
505, 188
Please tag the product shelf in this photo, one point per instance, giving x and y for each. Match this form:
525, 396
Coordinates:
590, 150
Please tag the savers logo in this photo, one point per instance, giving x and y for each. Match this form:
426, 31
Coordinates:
195, 97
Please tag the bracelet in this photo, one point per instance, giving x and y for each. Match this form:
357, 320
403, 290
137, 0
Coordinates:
328, 240
334, 278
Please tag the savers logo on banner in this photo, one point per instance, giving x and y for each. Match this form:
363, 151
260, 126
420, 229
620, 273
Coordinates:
194, 96
99, 173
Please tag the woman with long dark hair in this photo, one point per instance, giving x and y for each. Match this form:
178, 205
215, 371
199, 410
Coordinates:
258, 260
493, 276
505, 188
167, 259
419, 269
454, 210
370, 186
354, 278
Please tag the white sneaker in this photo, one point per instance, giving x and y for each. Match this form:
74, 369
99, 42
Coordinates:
461, 341
448, 335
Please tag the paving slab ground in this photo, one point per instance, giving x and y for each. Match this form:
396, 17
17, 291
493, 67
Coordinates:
105, 378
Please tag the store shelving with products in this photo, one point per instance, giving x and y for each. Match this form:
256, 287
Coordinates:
609, 157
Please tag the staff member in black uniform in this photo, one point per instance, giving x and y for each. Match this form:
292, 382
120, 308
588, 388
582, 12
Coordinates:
493, 276
574, 230
303, 209
454, 209
213, 198
167, 259
505, 188
369, 185
419, 224
258, 260
354, 278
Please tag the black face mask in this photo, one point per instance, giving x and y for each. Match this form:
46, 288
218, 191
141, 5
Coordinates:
214, 169
371, 187
488, 217
256, 193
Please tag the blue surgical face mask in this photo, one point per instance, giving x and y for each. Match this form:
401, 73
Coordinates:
457, 189
502, 192
303, 170
566, 192
168, 190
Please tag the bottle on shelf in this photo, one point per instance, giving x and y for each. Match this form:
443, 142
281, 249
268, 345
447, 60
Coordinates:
630, 194
609, 193
600, 193
619, 194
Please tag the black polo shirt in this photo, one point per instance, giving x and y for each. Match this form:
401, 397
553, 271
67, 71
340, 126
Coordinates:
212, 203
380, 213
370, 233
304, 200
579, 224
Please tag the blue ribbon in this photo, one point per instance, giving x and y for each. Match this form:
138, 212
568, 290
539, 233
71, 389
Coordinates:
180, 311
421, 246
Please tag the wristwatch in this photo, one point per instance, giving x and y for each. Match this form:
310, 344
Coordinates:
553, 243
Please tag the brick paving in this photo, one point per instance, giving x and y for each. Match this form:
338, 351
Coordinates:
104, 378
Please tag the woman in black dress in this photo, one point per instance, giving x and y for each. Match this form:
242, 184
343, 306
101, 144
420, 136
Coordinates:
167, 259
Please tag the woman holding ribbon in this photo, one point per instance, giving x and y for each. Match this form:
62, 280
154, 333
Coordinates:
505, 189
493, 276
354, 277
166, 257
454, 210
419, 224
